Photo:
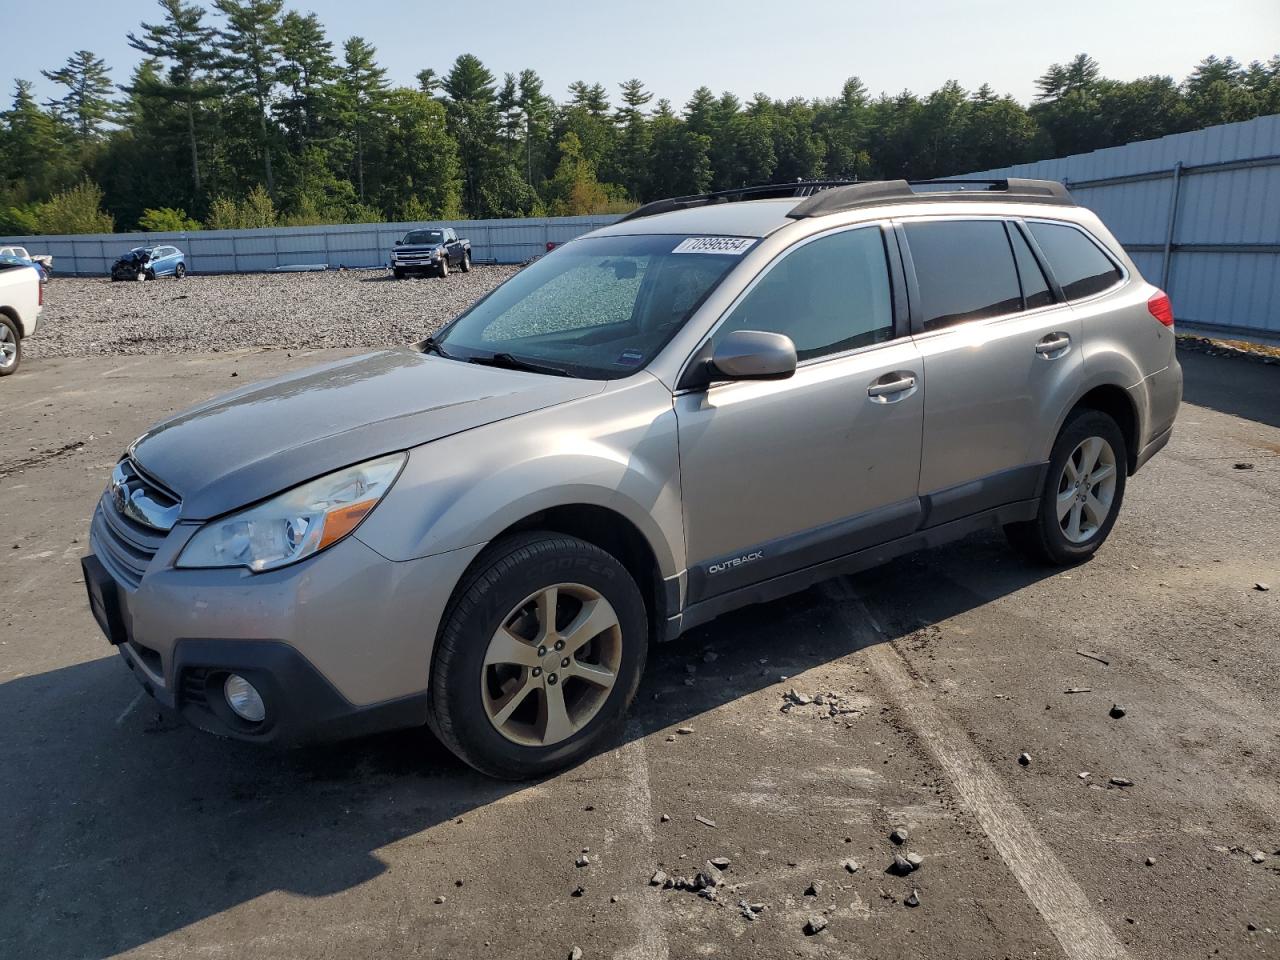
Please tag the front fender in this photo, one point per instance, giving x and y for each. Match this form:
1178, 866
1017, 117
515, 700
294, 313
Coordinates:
616, 449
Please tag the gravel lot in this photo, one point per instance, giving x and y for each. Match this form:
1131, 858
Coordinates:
352, 308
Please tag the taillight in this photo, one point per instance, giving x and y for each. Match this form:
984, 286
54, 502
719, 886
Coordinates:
1161, 308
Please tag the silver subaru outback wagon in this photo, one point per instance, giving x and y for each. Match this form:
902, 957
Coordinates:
714, 402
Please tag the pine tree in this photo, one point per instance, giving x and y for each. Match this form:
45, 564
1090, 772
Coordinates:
185, 42
363, 90
87, 104
308, 69
473, 120
250, 48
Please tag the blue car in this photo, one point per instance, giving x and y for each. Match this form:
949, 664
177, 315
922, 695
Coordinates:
147, 263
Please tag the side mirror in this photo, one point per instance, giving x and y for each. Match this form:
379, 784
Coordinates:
744, 355
399, 242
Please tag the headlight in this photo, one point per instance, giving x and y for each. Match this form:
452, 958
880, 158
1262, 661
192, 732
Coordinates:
295, 524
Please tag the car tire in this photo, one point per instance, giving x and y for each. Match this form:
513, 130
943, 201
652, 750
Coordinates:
1087, 472
443, 270
10, 346
466, 261
397, 273
498, 606
179, 271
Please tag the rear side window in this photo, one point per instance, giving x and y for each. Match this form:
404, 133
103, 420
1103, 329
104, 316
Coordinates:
828, 296
965, 271
1080, 267
1035, 289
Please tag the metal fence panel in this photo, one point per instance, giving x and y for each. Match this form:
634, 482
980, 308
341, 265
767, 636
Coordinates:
1220, 188
344, 244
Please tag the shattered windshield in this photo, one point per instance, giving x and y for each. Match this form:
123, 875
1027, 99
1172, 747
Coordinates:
599, 308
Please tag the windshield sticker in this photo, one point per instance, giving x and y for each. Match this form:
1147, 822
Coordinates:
630, 358
725, 246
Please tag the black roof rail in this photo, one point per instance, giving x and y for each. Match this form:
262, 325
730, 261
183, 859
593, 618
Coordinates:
762, 191
872, 193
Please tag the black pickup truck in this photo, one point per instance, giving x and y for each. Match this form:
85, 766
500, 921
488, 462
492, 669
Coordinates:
430, 250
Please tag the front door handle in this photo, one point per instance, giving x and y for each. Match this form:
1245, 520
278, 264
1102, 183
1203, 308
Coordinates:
892, 387
1053, 346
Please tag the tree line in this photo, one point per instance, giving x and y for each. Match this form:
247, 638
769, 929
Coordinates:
247, 114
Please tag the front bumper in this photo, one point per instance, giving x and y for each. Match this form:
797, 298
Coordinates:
338, 645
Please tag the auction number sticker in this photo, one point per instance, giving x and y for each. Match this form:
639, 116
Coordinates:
725, 246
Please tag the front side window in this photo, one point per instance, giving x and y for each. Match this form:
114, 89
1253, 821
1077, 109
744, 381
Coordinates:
1077, 263
600, 307
964, 269
828, 295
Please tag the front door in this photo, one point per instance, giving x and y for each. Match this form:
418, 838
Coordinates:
780, 475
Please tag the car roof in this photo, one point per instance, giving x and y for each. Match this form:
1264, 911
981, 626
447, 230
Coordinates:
759, 218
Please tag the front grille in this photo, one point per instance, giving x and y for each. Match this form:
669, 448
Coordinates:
123, 544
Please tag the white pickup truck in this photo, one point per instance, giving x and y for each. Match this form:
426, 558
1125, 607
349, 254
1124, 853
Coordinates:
21, 300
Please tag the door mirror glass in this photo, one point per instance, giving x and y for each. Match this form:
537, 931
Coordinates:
753, 355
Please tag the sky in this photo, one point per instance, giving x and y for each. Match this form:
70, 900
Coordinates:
744, 46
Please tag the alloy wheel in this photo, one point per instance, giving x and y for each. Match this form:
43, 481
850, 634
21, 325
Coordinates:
8, 347
551, 664
1086, 489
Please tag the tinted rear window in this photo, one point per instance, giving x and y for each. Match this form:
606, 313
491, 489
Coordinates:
1075, 260
965, 271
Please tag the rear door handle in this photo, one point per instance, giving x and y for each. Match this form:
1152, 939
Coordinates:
886, 390
1053, 346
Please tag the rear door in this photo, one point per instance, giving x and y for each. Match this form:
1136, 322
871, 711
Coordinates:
781, 475
1002, 357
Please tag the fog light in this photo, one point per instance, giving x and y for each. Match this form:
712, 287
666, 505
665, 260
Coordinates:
243, 699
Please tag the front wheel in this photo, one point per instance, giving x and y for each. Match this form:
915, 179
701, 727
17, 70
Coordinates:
444, 267
1083, 490
397, 273
466, 261
539, 656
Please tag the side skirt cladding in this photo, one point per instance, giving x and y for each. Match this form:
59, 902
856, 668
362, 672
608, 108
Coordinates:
784, 565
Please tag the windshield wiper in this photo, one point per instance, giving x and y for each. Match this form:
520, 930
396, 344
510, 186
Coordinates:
510, 362
430, 345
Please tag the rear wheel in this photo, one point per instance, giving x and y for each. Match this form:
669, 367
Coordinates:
180, 271
539, 656
10, 346
1082, 494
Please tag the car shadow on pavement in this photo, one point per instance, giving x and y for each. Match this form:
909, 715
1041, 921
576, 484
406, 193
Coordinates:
123, 825
1232, 385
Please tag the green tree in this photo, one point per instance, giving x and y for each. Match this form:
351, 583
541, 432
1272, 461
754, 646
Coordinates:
472, 111
307, 70
635, 140
418, 162
77, 210
167, 220
681, 157
87, 104
362, 90
251, 45
185, 43
35, 158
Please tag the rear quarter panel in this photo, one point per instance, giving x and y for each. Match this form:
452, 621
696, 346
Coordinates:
20, 297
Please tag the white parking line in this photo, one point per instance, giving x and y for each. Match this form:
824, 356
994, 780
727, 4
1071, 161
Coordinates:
1079, 930
129, 709
637, 802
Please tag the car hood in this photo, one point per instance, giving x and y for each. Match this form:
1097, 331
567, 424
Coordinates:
241, 447
418, 247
